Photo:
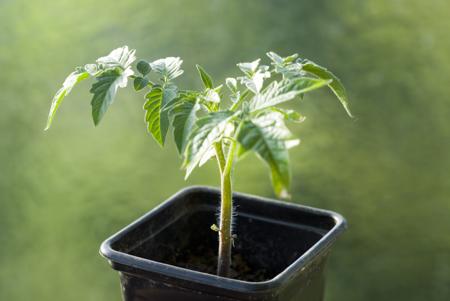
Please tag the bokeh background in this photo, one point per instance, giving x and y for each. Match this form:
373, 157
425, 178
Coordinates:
62, 192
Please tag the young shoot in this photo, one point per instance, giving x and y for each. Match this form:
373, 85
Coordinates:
225, 121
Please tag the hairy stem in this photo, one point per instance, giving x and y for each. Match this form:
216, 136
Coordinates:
226, 215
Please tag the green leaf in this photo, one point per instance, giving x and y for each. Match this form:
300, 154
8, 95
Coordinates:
304, 84
335, 84
111, 73
168, 68
211, 95
92, 69
71, 80
105, 90
231, 84
254, 75
289, 115
281, 61
290, 59
269, 138
121, 57
140, 83
208, 129
255, 82
285, 90
156, 116
143, 67
249, 68
184, 117
206, 79
182, 95
276, 59
287, 66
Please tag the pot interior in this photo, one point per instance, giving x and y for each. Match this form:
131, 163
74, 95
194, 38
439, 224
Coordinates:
268, 239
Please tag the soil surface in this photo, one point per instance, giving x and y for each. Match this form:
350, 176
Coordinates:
204, 259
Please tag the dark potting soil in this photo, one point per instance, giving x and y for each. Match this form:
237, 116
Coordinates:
204, 259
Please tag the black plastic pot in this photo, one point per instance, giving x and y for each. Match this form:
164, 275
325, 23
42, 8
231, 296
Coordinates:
289, 242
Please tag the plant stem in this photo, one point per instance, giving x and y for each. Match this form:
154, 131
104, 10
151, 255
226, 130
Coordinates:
226, 215
220, 156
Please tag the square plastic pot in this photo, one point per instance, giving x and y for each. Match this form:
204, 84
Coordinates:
289, 241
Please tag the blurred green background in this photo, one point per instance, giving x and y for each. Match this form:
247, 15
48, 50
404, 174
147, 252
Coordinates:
64, 191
